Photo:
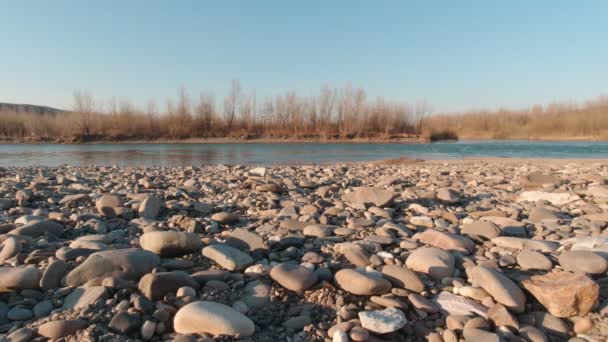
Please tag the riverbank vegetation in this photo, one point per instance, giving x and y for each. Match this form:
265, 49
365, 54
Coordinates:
559, 121
332, 114
345, 114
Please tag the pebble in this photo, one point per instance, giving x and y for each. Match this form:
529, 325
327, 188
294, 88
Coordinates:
170, 243
435, 262
150, 207
108, 204
19, 313
81, 297
224, 217
130, 264
403, 278
11, 247
212, 318
293, 277
19, 278
156, 285
61, 328
481, 228
360, 283
583, 261
500, 287
361, 197
228, 257
533, 260
383, 321
442, 251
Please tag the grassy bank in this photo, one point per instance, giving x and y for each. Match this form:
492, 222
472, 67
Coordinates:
588, 121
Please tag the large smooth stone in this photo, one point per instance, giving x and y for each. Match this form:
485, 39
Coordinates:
433, 261
449, 196
130, 264
403, 278
537, 180
319, 230
452, 304
39, 228
500, 287
521, 243
383, 321
533, 260
540, 214
170, 243
583, 261
224, 217
293, 277
447, 241
355, 254
246, 241
27, 219
81, 297
555, 198
228, 257
10, 247
362, 284
108, 204
19, 278
564, 294
61, 328
212, 318
156, 285
150, 207
52, 275
361, 197
482, 228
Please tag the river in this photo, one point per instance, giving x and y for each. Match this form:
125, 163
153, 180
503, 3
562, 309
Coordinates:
283, 153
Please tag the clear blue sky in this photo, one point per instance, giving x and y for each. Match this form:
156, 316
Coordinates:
455, 54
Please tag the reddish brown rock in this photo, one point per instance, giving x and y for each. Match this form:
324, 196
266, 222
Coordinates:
564, 294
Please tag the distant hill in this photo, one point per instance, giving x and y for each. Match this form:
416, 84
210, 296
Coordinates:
28, 108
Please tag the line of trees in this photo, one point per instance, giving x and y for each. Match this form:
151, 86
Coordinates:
331, 114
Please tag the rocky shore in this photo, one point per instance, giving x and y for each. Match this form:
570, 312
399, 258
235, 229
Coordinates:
487, 250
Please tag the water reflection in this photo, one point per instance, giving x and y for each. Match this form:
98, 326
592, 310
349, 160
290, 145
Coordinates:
196, 154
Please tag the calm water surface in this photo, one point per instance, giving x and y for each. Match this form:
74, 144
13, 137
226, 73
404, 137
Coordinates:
308, 153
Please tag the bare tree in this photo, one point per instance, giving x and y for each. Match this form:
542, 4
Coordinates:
84, 106
421, 110
326, 105
205, 112
231, 101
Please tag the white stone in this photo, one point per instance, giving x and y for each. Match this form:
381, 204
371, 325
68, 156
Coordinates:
557, 198
453, 304
383, 321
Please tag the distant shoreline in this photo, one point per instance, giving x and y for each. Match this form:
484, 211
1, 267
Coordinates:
413, 140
